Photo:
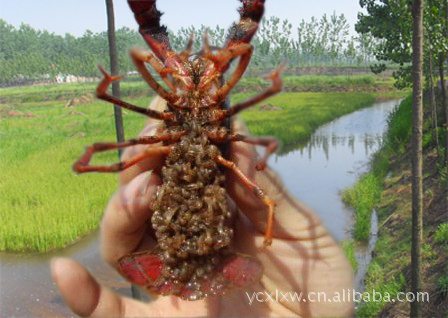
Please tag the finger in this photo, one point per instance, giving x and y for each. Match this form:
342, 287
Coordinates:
87, 298
81, 291
125, 220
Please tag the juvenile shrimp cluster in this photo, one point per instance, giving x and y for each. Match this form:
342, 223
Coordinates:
191, 213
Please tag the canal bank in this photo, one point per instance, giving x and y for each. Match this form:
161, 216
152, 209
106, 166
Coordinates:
389, 271
334, 158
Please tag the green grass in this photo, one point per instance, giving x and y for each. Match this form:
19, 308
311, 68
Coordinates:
392, 256
364, 195
442, 287
399, 127
385, 272
441, 235
382, 275
348, 247
47, 89
330, 79
67, 91
382, 286
44, 205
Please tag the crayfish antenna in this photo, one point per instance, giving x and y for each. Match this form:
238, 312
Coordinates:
206, 46
188, 48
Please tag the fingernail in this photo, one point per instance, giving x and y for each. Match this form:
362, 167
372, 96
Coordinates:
54, 266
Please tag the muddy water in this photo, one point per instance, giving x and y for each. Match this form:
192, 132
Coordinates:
316, 174
335, 156
27, 289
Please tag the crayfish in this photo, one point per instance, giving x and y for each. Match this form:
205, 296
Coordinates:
192, 258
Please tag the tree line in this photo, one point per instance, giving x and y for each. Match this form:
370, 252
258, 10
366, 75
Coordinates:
27, 53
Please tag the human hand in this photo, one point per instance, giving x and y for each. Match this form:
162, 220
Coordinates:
303, 257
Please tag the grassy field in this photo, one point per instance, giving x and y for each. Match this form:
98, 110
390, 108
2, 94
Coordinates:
44, 205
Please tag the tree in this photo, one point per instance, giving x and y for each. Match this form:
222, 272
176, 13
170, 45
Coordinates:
446, 100
416, 139
366, 47
339, 30
436, 26
273, 41
114, 70
435, 135
350, 50
116, 91
308, 37
391, 23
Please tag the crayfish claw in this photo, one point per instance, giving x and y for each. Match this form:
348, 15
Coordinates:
109, 77
261, 165
276, 73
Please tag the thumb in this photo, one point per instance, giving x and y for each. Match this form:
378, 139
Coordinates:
82, 293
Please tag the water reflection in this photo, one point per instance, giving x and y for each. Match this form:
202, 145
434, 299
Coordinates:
326, 142
318, 170
362, 128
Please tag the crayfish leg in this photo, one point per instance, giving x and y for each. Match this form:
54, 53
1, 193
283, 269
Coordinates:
251, 186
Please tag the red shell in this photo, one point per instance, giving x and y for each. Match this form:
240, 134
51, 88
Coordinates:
141, 269
235, 271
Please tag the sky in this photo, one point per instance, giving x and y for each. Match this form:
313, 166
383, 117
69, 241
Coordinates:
77, 16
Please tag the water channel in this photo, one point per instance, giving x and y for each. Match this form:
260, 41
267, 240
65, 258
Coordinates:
335, 156
316, 174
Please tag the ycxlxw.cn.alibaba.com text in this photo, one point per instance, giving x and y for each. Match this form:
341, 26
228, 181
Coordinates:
344, 296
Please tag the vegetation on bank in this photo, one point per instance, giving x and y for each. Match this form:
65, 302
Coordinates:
388, 188
45, 206
348, 247
366, 193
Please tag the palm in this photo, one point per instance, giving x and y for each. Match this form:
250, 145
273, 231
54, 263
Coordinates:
303, 258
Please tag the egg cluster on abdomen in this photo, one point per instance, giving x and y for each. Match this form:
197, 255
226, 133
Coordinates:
191, 213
